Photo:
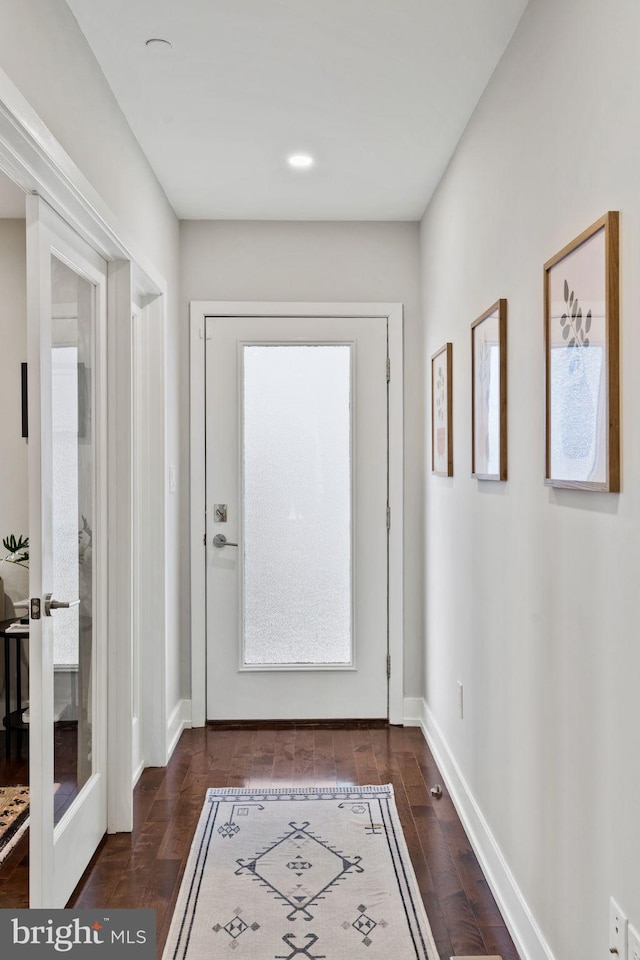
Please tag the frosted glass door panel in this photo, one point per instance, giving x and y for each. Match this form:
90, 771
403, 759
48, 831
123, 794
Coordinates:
297, 495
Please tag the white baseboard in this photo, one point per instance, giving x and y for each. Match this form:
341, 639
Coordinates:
137, 773
179, 720
522, 925
136, 751
413, 711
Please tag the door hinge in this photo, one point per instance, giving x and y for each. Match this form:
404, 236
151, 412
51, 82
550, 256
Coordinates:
388, 369
388, 665
204, 539
388, 517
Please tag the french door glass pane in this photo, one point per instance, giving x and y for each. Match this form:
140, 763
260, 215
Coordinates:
296, 478
72, 306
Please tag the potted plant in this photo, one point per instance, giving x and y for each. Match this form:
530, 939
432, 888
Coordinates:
18, 554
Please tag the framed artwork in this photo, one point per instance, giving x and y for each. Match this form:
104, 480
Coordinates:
489, 394
581, 308
442, 412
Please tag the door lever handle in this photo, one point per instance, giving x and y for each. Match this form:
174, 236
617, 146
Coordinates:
221, 541
51, 604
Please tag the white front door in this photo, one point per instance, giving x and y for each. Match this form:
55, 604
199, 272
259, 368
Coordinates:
296, 542
66, 302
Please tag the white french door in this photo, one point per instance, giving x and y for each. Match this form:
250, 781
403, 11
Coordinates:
296, 503
66, 301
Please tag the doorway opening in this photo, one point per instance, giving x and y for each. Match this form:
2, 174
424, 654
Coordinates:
58, 725
14, 520
334, 540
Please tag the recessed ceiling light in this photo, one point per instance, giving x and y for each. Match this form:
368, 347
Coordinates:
155, 43
300, 161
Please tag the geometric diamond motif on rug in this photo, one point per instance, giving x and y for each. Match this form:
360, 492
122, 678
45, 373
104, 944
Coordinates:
235, 927
324, 866
228, 829
365, 924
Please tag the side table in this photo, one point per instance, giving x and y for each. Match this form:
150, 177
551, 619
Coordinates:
13, 719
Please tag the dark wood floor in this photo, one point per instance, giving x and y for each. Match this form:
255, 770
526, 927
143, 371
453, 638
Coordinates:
145, 868
15, 770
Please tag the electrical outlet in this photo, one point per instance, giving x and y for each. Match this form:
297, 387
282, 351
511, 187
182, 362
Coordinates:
617, 931
634, 943
460, 700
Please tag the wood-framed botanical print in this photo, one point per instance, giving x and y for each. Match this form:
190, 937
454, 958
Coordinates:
489, 394
581, 307
442, 411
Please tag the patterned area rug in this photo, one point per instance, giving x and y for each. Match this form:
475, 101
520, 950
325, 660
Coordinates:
308, 874
14, 816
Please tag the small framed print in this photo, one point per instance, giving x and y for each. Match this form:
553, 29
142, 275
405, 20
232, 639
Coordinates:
489, 394
582, 416
442, 412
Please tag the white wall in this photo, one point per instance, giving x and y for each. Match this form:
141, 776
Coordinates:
532, 593
14, 507
325, 261
44, 53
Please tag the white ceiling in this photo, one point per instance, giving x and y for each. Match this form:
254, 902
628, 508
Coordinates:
379, 91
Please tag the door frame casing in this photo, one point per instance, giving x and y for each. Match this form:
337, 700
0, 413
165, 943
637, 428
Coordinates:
393, 313
32, 157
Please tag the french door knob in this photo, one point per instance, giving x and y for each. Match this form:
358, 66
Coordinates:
51, 604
